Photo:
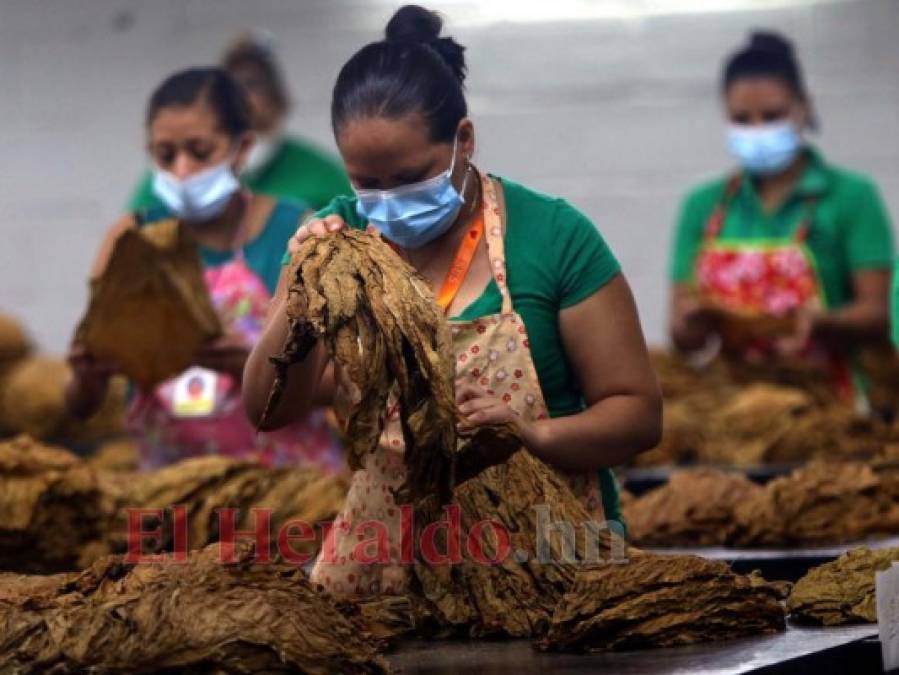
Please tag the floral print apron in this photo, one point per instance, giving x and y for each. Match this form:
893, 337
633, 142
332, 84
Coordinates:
493, 352
200, 412
771, 278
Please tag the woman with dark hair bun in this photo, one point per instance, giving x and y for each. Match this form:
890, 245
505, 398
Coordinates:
545, 328
787, 259
199, 134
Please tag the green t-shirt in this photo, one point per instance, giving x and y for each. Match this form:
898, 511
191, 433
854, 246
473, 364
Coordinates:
850, 229
297, 171
555, 258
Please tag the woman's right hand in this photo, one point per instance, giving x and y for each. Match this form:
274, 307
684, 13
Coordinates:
317, 227
86, 390
87, 367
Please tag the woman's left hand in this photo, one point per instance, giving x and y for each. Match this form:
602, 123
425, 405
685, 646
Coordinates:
804, 324
478, 408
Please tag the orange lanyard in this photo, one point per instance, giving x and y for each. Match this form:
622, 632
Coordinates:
455, 275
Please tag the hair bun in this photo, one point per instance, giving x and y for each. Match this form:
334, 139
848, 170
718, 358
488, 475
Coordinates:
417, 25
412, 23
771, 43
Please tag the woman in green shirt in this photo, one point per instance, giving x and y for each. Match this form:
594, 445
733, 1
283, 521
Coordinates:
799, 247
545, 329
278, 164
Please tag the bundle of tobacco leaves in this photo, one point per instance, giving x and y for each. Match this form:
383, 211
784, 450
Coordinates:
204, 486
203, 615
52, 509
841, 591
695, 508
540, 535
383, 330
32, 401
14, 343
774, 424
149, 311
662, 601
117, 455
820, 503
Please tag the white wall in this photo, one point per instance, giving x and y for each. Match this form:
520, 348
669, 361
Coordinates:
619, 115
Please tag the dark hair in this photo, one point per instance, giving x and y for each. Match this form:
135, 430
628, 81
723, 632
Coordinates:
768, 54
412, 70
252, 50
212, 86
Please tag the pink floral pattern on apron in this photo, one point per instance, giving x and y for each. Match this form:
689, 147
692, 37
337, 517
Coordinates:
770, 279
241, 299
493, 352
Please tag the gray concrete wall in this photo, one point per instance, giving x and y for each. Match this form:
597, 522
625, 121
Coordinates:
619, 115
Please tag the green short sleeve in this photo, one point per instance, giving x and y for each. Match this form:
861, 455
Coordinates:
585, 263
869, 235
694, 213
143, 198
345, 207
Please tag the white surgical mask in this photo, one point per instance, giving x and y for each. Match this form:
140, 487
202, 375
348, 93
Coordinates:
200, 197
262, 152
766, 149
415, 214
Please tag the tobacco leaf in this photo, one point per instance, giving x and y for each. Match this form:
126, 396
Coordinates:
51, 508
150, 311
515, 596
820, 503
695, 508
389, 341
15, 344
32, 402
662, 601
206, 485
841, 591
202, 616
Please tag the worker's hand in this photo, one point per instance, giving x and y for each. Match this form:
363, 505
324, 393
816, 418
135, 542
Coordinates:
317, 227
693, 322
804, 322
89, 369
320, 227
478, 408
227, 354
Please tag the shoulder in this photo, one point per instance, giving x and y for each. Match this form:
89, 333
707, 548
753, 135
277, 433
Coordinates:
345, 207
542, 219
852, 184
707, 194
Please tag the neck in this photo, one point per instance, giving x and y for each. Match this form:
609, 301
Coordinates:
220, 231
783, 181
420, 258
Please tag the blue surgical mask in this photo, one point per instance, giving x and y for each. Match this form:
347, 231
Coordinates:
415, 214
200, 197
764, 150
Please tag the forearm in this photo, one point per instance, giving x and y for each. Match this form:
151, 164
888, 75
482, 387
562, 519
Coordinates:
608, 433
864, 321
303, 378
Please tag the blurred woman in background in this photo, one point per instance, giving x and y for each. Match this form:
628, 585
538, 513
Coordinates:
278, 164
787, 239
199, 136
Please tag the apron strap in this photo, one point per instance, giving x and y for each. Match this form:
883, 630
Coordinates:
458, 270
715, 223
493, 223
